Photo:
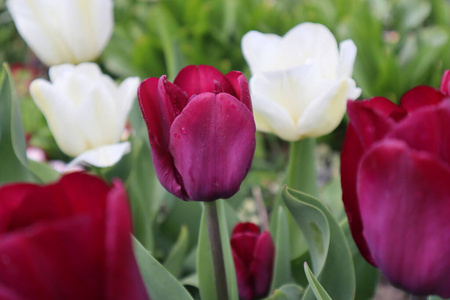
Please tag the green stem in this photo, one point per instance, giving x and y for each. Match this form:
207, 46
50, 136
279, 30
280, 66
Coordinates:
212, 221
301, 172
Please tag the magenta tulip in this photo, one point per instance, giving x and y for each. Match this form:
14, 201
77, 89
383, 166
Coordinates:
201, 131
67, 240
253, 255
395, 170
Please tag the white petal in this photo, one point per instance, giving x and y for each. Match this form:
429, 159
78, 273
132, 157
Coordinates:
126, 95
260, 50
347, 55
309, 43
63, 31
58, 111
325, 114
104, 156
270, 116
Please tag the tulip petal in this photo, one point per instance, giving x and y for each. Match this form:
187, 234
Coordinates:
397, 183
8, 294
244, 245
306, 42
125, 97
369, 123
245, 227
445, 83
36, 265
325, 113
213, 138
347, 55
260, 50
123, 280
427, 130
104, 156
243, 278
352, 152
419, 97
262, 265
201, 79
162, 159
58, 110
240, 85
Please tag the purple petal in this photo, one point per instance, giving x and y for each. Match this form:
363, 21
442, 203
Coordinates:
405, 203
212, 143
240, 85
261, 269
421, 96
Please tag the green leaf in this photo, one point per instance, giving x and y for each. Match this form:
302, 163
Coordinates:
43, 172
286, 292
160, 284
330, 253
318, 290
175, 259
12, 138
282, 264
205, 269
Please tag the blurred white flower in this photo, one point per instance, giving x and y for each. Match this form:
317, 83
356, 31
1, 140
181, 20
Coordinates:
300, 82
64, 31
86, 111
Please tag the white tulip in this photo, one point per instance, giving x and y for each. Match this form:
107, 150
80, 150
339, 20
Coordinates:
300, 82
64, 31
86, 111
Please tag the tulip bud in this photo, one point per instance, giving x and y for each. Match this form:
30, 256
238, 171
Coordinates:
64, 31
395, 169
253, 255
300, 82
86, 111
201, 131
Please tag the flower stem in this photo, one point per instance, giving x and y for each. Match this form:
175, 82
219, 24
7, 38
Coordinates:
302, 173
212, 221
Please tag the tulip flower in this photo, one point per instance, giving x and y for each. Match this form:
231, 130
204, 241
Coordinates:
201, 131
253, 255
64, 31
67, 240
86, 111
395, 170
300, 82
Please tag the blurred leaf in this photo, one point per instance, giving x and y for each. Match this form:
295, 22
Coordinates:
286, 292
160, 284
318, 290
12, 138
43, 172
282, 264
330, 253
367, 276
205, 269
175, 259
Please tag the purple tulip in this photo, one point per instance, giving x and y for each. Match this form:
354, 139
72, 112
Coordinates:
201, 131
67, 240
253, 255
395, 170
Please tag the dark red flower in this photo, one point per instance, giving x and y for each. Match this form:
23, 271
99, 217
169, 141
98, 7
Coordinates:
67, 240
253, 255
395, 170
201, 131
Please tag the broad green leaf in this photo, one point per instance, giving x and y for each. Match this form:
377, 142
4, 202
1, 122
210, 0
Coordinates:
175, 260
160, 284
205, 269
12, 138
436, 298
286, 292
282, 264
330, 253
43, 172
318, 290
